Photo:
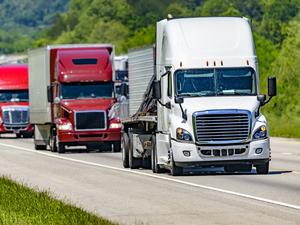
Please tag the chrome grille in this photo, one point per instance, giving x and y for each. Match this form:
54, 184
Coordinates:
15, 116
215, 126
90, 120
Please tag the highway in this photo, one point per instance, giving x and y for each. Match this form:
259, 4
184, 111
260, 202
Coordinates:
97, 182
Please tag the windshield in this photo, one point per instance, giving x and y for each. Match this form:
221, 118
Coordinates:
14, 96
86, 90
212, 82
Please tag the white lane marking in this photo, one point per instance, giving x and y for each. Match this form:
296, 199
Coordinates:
159, 177
287, 153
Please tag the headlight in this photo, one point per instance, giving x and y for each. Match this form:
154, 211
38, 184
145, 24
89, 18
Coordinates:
65, 126
115, 125
260, 133
183, 135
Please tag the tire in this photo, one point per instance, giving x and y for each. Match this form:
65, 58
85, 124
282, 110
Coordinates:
40, 147
27, 135
60, 147
175, 170
117, 146
125, 150
18, 135
154, 166
263, 168
134, 163
53, 146
237, 168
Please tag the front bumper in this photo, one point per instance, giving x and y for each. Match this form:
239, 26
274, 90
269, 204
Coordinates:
197, 159
17, 129
79, 137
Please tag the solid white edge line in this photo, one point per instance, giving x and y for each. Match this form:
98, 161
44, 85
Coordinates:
158, 177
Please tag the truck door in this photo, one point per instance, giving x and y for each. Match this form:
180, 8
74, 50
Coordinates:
166, 84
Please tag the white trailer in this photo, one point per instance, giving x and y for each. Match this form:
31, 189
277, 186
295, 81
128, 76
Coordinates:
201, 99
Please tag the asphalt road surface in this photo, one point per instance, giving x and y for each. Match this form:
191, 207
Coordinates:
97, 182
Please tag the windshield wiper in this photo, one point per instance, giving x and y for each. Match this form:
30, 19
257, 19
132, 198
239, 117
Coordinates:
195, 94
228, 92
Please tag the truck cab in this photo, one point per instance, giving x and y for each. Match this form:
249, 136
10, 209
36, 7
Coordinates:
208, 98
14, 106
81, 99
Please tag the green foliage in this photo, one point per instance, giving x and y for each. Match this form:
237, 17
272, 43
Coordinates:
21, 205
21, 20
284, 110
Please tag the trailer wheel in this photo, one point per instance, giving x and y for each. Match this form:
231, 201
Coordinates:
125, 149
134, 163
117, 146
40, 147
263, 168
175, 170
53, 146
37, 146
154, 166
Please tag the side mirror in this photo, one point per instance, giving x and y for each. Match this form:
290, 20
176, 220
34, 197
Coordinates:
56, 100
261, 99
179, 100
49, 94
272, 89
156, 90
124, 89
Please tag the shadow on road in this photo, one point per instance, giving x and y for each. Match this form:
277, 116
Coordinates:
220, 172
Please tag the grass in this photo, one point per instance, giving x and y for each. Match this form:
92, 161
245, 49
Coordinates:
20, 205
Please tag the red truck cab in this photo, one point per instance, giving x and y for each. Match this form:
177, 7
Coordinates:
81, 97
14, 106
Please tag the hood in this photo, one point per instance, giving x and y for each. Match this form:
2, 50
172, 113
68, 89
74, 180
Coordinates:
195, 104
7, 104
88, 104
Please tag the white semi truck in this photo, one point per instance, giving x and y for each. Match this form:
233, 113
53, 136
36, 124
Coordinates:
194, 99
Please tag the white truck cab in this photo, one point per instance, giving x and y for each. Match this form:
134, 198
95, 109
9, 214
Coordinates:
206, 88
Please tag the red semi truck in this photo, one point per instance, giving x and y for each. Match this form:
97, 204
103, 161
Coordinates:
72, 97
14, 109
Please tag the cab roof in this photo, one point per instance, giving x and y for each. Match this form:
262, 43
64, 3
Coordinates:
14, 77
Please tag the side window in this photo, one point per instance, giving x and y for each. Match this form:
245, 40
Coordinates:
170, 84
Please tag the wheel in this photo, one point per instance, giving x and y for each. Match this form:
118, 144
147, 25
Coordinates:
18, 135
125, 150
134, 163
27, 135
263, 168
154, 166
175, 170
40, 147
117, 146
60, 146
53, 146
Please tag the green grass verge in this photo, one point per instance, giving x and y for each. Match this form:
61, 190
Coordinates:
22, 205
